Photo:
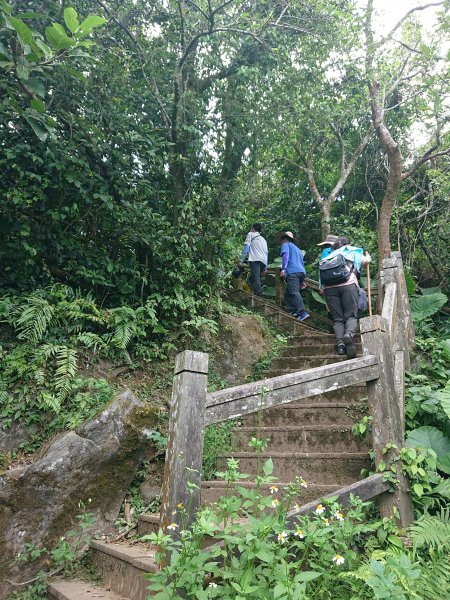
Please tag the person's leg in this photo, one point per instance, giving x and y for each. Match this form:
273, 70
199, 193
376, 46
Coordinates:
333, 298
255, 276
288, 299
293, 288
303, 315
349, 300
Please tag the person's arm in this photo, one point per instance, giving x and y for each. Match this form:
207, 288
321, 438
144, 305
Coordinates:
245, 251
284, 260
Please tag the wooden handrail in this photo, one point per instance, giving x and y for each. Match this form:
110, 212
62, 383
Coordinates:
244, 399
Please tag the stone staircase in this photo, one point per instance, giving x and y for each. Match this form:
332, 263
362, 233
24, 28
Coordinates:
311, 439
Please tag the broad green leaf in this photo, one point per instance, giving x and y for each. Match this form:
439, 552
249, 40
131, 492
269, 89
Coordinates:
431, 290
308, 576
426, 306
446, 350
38, 127
36, 86
71, 19
410, 283
90, 23
38, 105
318, 297
431, 437
418, 489
56, 39
23, 31
268, 467
444, 396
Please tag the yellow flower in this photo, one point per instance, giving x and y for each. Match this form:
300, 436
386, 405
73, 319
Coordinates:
273, 489
296, 506
180, 505
282, 536
299, 533
339, 516
320, 509
275, 502
211, 584
338, 559
326, 521
172, 526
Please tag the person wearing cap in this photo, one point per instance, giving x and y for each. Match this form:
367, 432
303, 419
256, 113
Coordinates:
342, 298
293, 271
327, 244
258, 257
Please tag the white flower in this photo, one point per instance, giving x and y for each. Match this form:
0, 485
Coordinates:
273, 489
299, 533
62, 538
338, 559
211, 584
304, 484
326, 521
320, 509
282, 536
275, 502
296, 506
172, 526
338, 515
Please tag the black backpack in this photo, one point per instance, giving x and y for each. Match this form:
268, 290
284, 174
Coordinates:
335, 270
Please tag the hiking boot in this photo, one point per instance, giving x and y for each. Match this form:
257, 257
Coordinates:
341, 349
303, 316
350, 344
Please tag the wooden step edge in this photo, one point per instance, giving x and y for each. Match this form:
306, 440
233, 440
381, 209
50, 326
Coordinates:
221, 484
134, 555
294, 428
74, 589
342, 456
322, 405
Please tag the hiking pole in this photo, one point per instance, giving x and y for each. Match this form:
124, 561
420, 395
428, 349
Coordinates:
369, 297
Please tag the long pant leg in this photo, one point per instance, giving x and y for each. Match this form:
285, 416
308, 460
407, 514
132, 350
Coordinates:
256, 268
333, 298
292, 297
349, 301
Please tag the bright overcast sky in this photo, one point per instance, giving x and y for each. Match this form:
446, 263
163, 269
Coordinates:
391, 11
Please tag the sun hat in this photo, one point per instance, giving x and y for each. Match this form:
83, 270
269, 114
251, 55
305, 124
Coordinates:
282, 234
330, 240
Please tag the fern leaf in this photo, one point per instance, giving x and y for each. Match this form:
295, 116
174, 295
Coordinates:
91, 340
35, 317
431, 531
66, 362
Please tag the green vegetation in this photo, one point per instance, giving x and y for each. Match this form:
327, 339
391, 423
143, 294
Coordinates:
137, 146
333, 554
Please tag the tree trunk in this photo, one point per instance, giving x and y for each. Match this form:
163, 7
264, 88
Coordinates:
325, 218
395, 160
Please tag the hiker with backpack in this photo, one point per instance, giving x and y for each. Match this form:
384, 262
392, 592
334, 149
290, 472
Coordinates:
338, 277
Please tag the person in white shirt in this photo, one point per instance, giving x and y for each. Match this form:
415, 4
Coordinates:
258, 257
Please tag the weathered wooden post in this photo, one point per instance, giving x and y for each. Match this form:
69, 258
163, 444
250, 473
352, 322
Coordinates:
183, 466
386, 411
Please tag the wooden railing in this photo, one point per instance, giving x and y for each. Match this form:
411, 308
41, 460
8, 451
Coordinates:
386, 340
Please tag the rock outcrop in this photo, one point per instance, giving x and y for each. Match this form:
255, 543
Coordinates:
94, 464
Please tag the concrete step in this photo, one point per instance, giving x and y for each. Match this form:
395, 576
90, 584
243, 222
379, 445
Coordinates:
68, 589
306, 363
122, 567
313, 349
213, 490
342, 414
328, 468
317, 338
148, 523
300, 363
309, 438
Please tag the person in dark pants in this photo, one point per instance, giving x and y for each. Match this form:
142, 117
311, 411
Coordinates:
258, 257
294, 273
342, 298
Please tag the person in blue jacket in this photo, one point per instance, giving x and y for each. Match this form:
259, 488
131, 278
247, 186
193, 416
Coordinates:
294, 273
327, 244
